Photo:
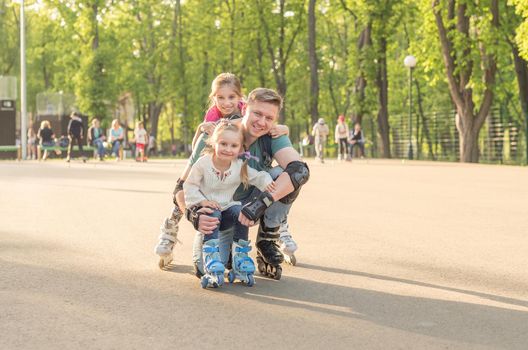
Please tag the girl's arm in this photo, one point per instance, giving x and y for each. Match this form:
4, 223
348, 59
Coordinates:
260, 179
205, 127
191, 186
279, 130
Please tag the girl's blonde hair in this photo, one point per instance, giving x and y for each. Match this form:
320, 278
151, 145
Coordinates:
45, 124
223, 126
115, 122
222, 80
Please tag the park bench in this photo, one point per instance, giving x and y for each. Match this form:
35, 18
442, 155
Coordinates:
17, 149
41, 148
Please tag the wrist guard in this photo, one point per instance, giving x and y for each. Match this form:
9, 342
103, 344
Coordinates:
255, 208
193, 215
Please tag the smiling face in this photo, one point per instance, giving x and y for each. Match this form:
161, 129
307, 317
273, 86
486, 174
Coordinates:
226, 99
259, 118
228, 145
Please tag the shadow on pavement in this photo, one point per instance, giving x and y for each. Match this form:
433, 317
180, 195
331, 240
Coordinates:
450, 320
497, 298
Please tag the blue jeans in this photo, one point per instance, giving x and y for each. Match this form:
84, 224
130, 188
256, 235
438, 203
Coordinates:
273, 216
115, 148
100, 147
228, 218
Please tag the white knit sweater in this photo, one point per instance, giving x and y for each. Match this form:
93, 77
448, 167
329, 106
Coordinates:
205, 182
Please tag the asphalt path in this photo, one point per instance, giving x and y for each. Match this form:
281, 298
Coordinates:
392, 255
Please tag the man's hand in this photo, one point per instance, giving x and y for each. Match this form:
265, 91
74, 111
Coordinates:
207, 224
245, 221
207, 127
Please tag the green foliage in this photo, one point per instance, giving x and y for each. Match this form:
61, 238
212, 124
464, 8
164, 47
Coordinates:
165, 54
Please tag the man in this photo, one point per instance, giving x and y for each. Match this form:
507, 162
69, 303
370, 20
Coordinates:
320, 133
270, 209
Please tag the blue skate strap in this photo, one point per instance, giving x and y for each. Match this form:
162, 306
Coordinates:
243, 260
245, 249
211, 262
209, 249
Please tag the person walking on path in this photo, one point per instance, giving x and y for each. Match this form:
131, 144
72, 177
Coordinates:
75, 132
320, 133
341, 138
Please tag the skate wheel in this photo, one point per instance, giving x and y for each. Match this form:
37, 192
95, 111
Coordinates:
220, 279
278, 273
231, 276
161, 263
293, 260
250, 281
261, 267
204, 281
269, 270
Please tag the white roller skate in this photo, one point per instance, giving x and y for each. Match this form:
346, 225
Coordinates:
243, 267
168, 237
214, 269
287, 244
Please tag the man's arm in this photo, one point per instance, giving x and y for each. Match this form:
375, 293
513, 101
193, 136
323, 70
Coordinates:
283, 184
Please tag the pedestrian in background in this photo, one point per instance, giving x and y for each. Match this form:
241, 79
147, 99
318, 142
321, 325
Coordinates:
341, 138
320, 132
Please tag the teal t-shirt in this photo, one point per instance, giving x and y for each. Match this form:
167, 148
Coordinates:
255, 150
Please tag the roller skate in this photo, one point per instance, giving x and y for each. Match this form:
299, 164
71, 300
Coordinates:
214, 269
287, 244
269, 259
168, 237
243, 266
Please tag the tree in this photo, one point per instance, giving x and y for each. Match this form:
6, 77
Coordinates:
463, 41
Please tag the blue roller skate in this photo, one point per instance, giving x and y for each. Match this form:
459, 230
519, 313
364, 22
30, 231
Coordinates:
243, 266
214, 269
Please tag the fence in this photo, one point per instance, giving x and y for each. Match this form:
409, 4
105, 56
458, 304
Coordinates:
435, 137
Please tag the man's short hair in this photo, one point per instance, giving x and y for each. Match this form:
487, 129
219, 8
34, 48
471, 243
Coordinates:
265, 95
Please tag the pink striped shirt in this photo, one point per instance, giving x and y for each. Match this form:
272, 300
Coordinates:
213, 114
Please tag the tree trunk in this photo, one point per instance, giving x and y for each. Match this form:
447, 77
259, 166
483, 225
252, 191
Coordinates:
469, 151
154, 111
425, 125
364, 42
314, 80
521, 70
383, 99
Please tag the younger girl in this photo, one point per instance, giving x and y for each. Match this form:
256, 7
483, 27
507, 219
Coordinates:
226, 102
141, 137
212, 183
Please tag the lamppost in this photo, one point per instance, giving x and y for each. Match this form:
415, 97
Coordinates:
410, 62
23, 102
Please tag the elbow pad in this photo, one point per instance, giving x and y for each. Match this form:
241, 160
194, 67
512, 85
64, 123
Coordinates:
299, 173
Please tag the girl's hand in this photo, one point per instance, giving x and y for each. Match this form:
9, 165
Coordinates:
271, 187
279, 130
207, 127
210, 204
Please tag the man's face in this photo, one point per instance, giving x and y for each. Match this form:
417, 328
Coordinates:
260, 118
